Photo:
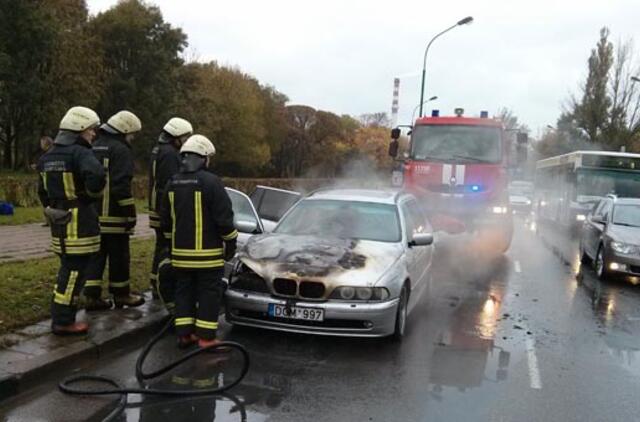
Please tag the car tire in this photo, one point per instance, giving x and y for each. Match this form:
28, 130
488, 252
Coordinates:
584, 258
401, 315
600, 264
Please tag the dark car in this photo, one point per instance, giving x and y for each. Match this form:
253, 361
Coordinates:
610, 237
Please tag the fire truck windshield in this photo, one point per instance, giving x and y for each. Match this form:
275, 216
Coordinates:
456, 143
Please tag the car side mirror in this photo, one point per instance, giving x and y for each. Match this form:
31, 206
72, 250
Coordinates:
421, 239
599, 219
246, 226
393, 148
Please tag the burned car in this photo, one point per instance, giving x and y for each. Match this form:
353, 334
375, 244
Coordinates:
341, 262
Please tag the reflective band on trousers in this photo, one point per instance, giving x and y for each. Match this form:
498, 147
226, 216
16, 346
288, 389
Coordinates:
185, 321
209, 325
65, 298
93, 283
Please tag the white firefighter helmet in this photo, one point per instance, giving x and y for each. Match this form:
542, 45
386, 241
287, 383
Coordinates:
79, 119
178, 127
200, 145
125, 122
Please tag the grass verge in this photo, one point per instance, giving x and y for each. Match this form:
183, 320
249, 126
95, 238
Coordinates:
26, 288
28, 215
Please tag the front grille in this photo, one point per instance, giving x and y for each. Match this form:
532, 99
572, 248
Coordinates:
311, 289
328, 323
249, 281
284, 286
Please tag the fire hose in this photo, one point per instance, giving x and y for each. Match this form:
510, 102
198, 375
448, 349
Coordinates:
68, 385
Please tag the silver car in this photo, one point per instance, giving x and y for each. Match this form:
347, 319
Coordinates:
340, 262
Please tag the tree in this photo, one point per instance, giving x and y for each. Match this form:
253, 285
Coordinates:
141, 60
231, 108
25, 45
591, 113
379, 119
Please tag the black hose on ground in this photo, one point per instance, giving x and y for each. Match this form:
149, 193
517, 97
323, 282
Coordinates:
66, 385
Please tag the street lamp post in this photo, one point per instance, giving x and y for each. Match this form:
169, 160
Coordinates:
435, 97
464, 21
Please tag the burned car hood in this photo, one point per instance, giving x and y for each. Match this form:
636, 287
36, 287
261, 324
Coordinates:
333, 260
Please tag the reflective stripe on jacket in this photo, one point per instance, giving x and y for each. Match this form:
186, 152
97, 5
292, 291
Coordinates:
71, 179
116, 209
198, 218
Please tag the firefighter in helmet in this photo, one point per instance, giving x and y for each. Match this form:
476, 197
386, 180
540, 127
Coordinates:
70, 180
198, 219
164, 163
117, 213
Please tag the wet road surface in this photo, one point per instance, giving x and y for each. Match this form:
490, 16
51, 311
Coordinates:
527, 337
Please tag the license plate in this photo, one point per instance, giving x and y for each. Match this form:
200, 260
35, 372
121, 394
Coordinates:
296, 312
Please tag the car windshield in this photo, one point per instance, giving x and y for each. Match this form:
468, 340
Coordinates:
627, 215
603, 182
343, 219
458, 144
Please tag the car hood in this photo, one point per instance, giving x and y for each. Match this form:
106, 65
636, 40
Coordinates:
329, 260
624, 234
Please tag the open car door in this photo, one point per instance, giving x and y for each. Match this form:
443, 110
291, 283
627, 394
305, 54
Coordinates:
272, 203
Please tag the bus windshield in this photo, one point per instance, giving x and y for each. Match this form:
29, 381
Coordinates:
456, 143
603, 182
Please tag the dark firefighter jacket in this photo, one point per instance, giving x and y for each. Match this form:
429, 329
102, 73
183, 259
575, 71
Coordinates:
165, 162
116, 209
71, 179
197, 217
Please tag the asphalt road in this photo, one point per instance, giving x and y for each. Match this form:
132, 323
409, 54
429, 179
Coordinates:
527, 337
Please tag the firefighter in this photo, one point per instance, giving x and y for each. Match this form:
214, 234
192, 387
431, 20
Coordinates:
198, 218
117, 214
164, 163
70, 180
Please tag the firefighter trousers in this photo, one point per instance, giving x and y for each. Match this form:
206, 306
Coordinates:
115, 249
155, 263
71, 279
199, 294
166, 280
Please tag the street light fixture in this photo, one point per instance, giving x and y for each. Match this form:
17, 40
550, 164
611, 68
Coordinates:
435, 97
464, 21
635, 79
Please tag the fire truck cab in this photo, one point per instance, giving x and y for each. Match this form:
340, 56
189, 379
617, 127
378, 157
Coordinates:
458, 166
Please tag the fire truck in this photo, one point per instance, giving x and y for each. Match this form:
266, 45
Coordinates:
459, 167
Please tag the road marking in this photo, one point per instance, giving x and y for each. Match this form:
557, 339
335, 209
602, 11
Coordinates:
517, 266
532, 361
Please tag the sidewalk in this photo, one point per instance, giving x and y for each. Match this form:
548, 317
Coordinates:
32, 353
31, 241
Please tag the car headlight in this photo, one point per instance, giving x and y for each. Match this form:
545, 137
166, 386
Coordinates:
499, 210
624, 248
581, 217
360, 293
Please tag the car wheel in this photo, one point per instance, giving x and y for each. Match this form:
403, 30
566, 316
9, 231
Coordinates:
401, 315
584, 258
601, 264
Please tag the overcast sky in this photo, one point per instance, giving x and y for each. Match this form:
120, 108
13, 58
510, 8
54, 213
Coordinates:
342, 55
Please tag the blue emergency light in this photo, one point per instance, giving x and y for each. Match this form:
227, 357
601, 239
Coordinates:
435, 113
475, 188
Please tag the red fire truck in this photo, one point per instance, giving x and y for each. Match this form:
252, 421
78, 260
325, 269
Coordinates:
459, 167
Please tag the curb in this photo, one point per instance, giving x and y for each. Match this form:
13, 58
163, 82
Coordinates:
24, 364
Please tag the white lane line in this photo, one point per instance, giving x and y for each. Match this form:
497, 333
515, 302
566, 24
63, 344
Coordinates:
516, 264
532, 361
